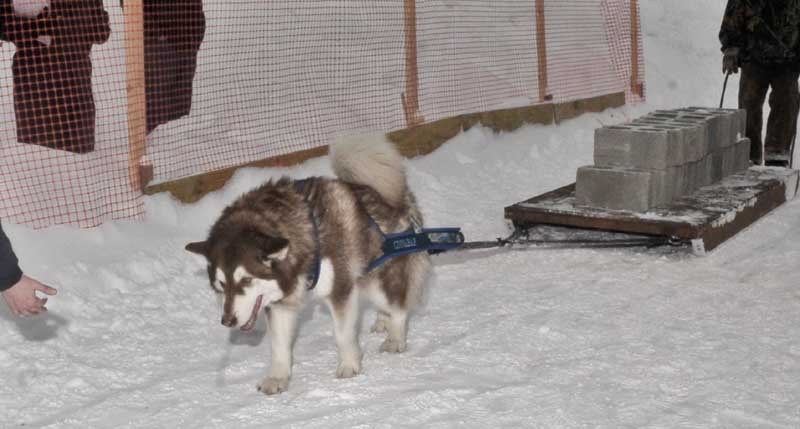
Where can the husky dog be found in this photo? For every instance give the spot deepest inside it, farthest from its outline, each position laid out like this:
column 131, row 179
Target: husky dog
column 288, row 239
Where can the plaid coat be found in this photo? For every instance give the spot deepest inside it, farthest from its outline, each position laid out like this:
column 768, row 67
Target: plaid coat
column 767, row 32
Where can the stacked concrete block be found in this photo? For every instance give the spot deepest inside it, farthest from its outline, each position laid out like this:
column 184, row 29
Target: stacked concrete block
column 620, row 188
column 661, row 156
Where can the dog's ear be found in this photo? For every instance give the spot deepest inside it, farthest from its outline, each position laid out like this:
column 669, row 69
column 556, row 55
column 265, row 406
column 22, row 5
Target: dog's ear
column 199, row 247
column 273, row 248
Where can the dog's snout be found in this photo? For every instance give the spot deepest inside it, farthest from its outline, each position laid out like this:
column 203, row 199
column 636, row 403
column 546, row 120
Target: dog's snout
column 228, row 320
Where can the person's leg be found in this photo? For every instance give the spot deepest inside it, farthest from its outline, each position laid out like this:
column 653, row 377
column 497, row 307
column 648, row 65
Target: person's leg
column 784, row 103
column 753, row 87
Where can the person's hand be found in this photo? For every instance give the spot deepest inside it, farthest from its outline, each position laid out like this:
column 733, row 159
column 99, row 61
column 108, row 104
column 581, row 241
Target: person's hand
column 22, row 300
column 730, row 61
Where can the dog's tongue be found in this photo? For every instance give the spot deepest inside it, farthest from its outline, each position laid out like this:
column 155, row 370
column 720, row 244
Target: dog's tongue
column 253, row 316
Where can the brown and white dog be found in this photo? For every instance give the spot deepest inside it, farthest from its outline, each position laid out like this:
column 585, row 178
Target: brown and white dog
column 286, row 240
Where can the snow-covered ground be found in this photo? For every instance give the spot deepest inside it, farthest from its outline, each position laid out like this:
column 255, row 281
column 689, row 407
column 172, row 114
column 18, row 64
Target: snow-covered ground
column 539, row 338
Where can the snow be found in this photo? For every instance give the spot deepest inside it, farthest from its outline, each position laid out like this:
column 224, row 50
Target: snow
column 535, row 338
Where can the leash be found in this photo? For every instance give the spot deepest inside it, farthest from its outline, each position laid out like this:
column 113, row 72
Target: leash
column 520, row 238
column 724, row 86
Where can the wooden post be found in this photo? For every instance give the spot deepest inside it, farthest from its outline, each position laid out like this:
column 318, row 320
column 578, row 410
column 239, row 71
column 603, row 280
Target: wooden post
column 137, row 115
column 541, row 50
column 410, row 98
column 636, row 87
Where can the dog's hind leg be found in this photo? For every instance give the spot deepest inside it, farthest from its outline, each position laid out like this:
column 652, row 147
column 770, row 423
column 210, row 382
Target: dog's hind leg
column 282, row 321
column 345, row 319
column 396, row 327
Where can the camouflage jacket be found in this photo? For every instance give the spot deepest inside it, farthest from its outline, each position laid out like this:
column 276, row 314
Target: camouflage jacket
column 766, row 32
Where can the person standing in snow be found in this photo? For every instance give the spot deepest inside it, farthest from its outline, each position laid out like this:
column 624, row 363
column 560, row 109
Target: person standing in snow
column 19, row 290
column 763, row 38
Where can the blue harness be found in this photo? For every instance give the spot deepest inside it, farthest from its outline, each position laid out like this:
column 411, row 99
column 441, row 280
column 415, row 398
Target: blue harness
column 413, row 240
column 313, row 273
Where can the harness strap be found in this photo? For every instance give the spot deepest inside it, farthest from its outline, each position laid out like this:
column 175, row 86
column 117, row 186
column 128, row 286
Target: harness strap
column 313, row 273
column 413, row 240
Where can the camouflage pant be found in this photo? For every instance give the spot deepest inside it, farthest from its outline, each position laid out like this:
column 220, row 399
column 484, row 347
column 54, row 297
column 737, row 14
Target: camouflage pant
column 784, row 102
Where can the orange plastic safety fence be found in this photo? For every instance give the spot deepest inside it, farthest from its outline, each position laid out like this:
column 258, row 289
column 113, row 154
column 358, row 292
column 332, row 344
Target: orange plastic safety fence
column 228, row 82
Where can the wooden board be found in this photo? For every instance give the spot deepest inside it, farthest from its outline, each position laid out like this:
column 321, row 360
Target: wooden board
column 706, row 218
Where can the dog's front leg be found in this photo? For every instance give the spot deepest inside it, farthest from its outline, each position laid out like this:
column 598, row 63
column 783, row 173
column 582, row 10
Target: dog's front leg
column 282, row 321
column 345, row 318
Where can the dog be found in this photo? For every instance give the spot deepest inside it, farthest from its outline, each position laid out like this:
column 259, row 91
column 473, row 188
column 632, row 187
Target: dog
column 287, row 240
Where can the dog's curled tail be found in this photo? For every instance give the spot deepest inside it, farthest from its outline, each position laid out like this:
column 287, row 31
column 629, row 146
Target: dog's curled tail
column 370, row 159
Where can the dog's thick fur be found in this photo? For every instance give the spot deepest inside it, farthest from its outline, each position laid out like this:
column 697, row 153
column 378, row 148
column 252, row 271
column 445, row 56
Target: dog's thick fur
column 261, row 250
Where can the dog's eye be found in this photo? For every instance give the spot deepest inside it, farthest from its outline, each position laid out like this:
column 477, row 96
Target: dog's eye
column 219, row 286
column 246, row 281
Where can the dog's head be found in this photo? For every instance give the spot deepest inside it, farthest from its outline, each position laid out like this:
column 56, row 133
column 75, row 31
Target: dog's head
column 246, row 267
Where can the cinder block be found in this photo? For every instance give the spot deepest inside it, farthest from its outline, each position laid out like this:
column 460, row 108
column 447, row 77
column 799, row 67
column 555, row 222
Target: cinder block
column 727, row 130
column 728, row 160
column 694, row 143
column 741, row 114
column 694, row 176
column 716, row 166
column 742, row 155
column 699, row 147
column 679, row 181
column 661, row 156
column 734, row 120
column 642, row 146
column 666, row 113
column 737, row 116
column 704, row 169
column 620, row 188
column 719, row 128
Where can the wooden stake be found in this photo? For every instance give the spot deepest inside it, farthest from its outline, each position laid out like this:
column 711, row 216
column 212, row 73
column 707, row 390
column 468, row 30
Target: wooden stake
column 541, row 50
column 410, row 98
column 636, row 87
column 137, row 115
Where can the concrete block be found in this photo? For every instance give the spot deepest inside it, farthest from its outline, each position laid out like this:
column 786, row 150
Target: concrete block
column 698, row 148
column 703, row 173
column 694, row 142
column 643, row 146
column 727, row 130
column 620, row 188
column 737, row 116
column 719, row 128
column 687, row 146
column 666, row 113
column 742, row 155
column 741, row 114
column 716, row 166
column 679, row 181
column 693, row 179
column 735, row 123
column 728, row 160
column 709, row 170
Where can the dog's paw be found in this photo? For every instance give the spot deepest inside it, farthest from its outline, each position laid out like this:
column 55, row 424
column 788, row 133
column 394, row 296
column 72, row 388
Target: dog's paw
column 272, row 386
column 348, row 370
column 379, row 326
column 393, row 346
